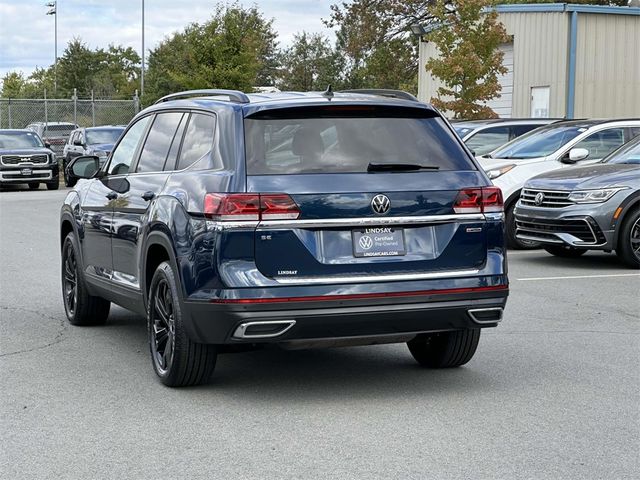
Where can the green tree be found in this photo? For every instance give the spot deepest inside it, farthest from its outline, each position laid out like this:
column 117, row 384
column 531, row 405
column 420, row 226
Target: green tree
column 467, row 39
column 310, row 63
column 235, row 49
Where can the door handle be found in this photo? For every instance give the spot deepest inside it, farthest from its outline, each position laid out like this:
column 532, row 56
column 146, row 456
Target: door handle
column 147, row 196
column 111, row 195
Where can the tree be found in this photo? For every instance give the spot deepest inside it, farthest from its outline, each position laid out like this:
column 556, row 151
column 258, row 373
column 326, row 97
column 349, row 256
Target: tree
column 235, row 49
column 310, row 63
column 373, row 36
column 467, row 39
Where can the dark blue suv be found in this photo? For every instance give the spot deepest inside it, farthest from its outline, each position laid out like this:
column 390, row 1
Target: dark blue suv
column 304, row 219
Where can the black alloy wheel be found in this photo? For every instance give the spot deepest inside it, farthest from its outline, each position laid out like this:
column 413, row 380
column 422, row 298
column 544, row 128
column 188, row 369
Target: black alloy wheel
column 163, row 327
column 70, row 279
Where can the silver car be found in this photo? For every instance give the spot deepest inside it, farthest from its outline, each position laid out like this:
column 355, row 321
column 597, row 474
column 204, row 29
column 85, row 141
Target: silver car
column 595, row 207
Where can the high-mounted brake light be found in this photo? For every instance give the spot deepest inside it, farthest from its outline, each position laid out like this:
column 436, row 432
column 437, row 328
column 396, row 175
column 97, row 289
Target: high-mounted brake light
column 479, row 200
column 250, row 206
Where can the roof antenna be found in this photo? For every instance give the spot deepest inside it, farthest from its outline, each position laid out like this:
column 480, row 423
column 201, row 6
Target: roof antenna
column 328, row 93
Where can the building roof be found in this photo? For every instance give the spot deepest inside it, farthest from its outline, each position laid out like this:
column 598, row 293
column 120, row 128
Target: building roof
column 567, row 7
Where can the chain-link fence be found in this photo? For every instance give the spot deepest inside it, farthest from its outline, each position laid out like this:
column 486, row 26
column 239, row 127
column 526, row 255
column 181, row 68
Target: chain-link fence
column 19, row 112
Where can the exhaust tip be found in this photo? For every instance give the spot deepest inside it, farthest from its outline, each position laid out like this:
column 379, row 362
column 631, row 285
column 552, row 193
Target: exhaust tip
column 251, row 330
column 486, row 315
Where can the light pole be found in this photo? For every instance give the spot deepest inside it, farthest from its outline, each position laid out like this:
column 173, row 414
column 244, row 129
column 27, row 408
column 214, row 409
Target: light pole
column 142, row 70
column 53, row 10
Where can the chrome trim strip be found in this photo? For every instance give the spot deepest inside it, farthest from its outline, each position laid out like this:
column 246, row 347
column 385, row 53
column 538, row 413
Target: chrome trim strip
column 397, row 277
column 241, row 331
column 365, row 221
column 26, row 179
column 473, row 311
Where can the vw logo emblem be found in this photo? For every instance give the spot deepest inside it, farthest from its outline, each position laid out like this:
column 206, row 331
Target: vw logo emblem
column 365, row 242
column 539, row 198
column 380, row 204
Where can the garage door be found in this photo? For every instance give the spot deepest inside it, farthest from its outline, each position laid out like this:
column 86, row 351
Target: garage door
column 502, row 104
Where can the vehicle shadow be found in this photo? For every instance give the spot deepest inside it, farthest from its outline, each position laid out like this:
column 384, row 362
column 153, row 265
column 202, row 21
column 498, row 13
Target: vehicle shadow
column 272, row 374
column 588, row 261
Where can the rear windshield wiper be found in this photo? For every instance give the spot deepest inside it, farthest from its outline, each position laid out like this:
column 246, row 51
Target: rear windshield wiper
column 399, row 167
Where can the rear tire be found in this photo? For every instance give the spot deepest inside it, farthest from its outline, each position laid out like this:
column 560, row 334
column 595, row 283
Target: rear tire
column 176, row 359
column 629, row 240
column 510, row 226
column 565, row 251
column 81, row 308
column 445, row 349
column 33, row 185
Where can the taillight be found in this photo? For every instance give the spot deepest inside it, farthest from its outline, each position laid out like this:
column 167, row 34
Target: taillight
column 250, row 206
column 478, row 200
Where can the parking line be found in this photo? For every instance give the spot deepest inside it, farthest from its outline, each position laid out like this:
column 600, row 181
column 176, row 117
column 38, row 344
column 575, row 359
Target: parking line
column 580, row 276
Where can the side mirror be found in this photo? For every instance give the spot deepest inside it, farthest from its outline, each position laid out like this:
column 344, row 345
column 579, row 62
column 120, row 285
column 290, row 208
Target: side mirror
column 47, row 145
column 577, row 154
column 85, row 166
column 77, row 143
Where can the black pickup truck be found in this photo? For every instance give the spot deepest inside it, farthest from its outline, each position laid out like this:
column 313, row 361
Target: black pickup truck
column 25, row 158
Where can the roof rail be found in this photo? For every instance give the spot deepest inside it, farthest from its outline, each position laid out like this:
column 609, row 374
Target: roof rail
column 235, row 96
column 383, row 92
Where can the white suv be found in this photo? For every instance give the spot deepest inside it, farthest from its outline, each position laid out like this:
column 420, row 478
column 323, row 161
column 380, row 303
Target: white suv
column 547, row 148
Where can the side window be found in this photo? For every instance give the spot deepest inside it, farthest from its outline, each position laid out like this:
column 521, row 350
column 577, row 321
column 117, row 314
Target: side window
column 172, row 158
column 80, row 137
column 122, row 156
column 198, row 140
column 158, row 142
column 488, row 140
column 517, row 130
column 601, row 143
column 634, row 132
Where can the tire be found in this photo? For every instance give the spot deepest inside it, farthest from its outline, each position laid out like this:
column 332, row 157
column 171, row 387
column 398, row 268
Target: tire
column 175, row 358
column 565, row 251
column 81, row 308
column 445, row 349
column 33, row 185
column 53, row 185
column 629, row 239
column 510, row 226
column 66, row 161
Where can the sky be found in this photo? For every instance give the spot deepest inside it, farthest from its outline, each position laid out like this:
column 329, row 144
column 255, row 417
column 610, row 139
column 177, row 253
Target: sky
column 27, row 33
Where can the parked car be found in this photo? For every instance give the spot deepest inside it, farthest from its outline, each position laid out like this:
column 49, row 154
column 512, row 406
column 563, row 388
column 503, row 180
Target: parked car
column 96, row 141
column 555, row 146
column 25, row 158
column 303, row 219
column 484, row 136
column 55, row 134
column 595, row 207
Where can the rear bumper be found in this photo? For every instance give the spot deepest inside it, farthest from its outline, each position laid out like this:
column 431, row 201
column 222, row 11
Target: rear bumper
column 299, row 320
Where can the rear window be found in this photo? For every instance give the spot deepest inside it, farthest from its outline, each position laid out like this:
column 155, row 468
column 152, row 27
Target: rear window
column 60, row 128
column 347, row 140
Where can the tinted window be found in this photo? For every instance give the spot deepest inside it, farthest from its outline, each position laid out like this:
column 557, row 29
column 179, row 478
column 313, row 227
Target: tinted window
column 172, row 158
column 19, row 140
column 156, row 147
column 328, row 142
column 488, row 140
column 517, row 130
column 198, row 140
column 600, row 144
column 539, row 142
column 123, row 154
column 104, row 135
column 629, row 153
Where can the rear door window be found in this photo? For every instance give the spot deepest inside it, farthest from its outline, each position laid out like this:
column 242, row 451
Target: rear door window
column 198, row 140
column 158, row 142
column 348, row 139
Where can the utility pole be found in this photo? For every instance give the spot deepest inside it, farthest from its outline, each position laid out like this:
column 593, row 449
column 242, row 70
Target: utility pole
column 142, row 70
column 53, row 10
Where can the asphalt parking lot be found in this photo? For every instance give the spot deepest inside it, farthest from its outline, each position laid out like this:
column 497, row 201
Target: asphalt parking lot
column 552, row 393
